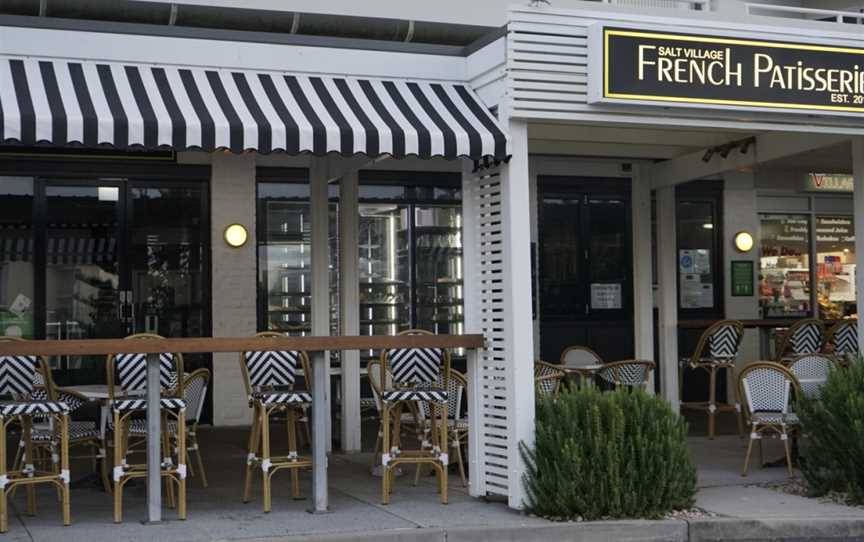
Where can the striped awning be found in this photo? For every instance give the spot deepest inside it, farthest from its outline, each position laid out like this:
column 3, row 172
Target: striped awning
column 69, row 102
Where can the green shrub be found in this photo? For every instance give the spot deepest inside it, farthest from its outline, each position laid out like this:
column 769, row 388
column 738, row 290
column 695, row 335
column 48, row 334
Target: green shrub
column 620, row 454
column 833, row 426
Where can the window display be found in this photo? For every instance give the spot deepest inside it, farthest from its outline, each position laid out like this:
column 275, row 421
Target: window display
column 835, row 266
column 16, row 257
column 784, row 266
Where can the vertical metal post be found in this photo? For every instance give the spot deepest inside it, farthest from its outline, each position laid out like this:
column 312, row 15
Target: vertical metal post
column 320, row 415
column 154, row 461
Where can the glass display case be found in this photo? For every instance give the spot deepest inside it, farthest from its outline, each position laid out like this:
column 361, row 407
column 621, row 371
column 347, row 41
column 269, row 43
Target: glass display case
column 784, row 266
column 835, row 267
column 438, row 249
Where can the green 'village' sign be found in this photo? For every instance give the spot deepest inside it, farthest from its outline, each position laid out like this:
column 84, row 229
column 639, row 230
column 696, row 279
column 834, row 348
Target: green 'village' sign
column 697, row 70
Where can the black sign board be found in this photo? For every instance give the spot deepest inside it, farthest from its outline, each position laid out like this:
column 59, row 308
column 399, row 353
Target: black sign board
column 742, row 278
column 697, row 70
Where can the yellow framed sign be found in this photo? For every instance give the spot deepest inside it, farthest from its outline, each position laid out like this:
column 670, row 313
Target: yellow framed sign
column 661, row 68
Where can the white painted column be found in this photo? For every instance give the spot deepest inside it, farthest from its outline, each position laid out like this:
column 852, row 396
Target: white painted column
column 858, row 172
column 667, row 296
column 518, row 326
column 643, row 294
column 234, row 280
column 349, row 311
column 321, row 432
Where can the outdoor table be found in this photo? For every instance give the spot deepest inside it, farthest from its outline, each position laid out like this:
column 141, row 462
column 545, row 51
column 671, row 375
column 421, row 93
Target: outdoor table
column 313, row 345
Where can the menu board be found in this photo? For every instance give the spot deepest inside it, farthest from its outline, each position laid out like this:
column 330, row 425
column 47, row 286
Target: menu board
column 742, row 278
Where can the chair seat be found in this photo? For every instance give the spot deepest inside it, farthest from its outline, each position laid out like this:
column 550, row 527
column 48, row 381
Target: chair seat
column 29, row 408
column 436, row 395
column 138, row 427
column 776, row 418
column 281, row 397
column 78, row 430
column 169, row 403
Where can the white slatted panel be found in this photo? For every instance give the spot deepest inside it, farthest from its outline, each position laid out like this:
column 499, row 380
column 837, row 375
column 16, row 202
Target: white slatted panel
column 485, row 284
column 548, row 63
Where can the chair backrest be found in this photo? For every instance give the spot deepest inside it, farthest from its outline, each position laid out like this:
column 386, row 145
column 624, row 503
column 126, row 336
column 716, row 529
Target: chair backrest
column 631, row 372
column 195, row 391
column 25, row 377
column 843, row 339
column 128, row 372
column 812, row 371
column 410, row 367
column 802, row 337
column 373, row 373
column 271, row 369
column 547, row 378
column 456, row 389
column 719, row 343
column 574, row 357
column 766, row 387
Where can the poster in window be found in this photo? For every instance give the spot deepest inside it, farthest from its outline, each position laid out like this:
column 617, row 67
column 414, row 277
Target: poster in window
column 696, row 294
column 605, row 296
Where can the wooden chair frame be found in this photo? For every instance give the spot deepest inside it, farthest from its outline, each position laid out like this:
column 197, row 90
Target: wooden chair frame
column 844, row 359
column 615, row 368
column 29, row 475
column 757, row 429
column 699, row 361
column 785, row 342
column 173, row 471
column 435, row 455
column 458, row 434
column 556, row 376
column 410, row 423
column 259, row 435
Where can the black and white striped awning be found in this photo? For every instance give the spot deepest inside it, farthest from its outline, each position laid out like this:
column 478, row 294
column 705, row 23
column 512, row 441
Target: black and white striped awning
column 70, row 102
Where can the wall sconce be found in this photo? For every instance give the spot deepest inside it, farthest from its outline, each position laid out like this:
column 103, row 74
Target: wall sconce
column 744, row 241
column 235, row 235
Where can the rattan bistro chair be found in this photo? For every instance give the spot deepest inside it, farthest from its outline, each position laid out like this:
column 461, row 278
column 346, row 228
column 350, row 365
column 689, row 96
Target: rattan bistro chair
column 457, row 424
column 23, row 399
column 547, row 378
column 767, row 388
column 812, row 371
column 409, row 422
column 717, row 349
column 633, row 373
column 841, row 341
column 416, row 374
column 580, row 362
column 803, row 337
column 127, row 374
column 270, row 377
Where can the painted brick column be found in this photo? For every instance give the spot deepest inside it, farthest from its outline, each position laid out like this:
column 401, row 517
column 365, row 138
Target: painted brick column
column 232, row 200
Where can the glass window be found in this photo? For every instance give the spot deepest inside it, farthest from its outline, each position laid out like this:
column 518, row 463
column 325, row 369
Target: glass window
column 835, row 266
column 438, row 249
column 784, row 266
column 562, row 290
column 696, row 258
column 16, row 256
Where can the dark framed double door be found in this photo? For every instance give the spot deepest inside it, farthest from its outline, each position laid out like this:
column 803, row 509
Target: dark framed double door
column 585, row 266
column 120, row 256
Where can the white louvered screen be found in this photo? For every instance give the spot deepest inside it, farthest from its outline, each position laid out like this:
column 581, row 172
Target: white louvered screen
column 484, row 287
column 547, row 58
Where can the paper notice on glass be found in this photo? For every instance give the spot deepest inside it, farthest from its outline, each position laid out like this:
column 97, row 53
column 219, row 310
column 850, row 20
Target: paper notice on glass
column 20, row 305
column 606, row 296
column 685, row 261
column 701, row 261
column 696, row 294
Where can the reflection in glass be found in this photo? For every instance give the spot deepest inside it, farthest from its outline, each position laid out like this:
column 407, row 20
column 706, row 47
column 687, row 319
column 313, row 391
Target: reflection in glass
column 562, row 293
column 784, row 265
column 835, row 266
column 16, row 257
column 438, row 248
column 696, row 282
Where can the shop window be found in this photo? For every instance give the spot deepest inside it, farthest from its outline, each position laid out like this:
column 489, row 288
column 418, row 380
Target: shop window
column 698, row 258
column 16, row 257
column 784, row 266
column 835, row 266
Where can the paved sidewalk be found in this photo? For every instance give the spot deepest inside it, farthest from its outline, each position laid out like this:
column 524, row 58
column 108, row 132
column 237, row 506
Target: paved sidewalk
column 744, row 512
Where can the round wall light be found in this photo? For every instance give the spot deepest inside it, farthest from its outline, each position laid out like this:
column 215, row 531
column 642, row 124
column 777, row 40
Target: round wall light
column 235, row 235
column 744, row 241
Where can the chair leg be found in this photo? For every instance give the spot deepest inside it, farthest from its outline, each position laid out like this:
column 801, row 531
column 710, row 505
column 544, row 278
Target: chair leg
column 712, row 401
column 445, row 471
column 4, row 510
column 265, row 456
column 747, row 457
column 64, row 467
column 375, row 451
column 785, row 439
column 761, row 455
column 385, row 454
column 457, row 444
column 201, row 473
column 253, row 452
column 181, row 456
column 29, row 462
column 291, row 416
column 118, row 464
column 167, row 458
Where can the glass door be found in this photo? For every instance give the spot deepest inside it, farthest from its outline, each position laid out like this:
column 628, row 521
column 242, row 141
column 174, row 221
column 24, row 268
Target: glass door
column 84, row 287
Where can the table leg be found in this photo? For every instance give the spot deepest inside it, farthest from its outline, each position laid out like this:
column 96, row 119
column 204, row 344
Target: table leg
column 154, row 461
column 320, row 415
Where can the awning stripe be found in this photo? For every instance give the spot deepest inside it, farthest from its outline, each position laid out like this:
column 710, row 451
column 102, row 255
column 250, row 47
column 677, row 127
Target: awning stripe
column 68, row 102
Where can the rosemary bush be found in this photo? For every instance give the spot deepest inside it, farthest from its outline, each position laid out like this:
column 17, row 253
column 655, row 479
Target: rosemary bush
column 618, row 454
column 833, row 426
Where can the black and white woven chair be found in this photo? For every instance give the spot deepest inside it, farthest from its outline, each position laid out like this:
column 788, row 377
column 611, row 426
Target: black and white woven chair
column 717, row 349
column 812, row 371
column 416, row 376
column 803, row 337
column 22, row 401
column 631, row 373
column 841, row 341
column 580, row 362
column 547, row 378
column 270, row 377
column 767, row 388
column 127, row 385
column 409, row 424
column 457, row 424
